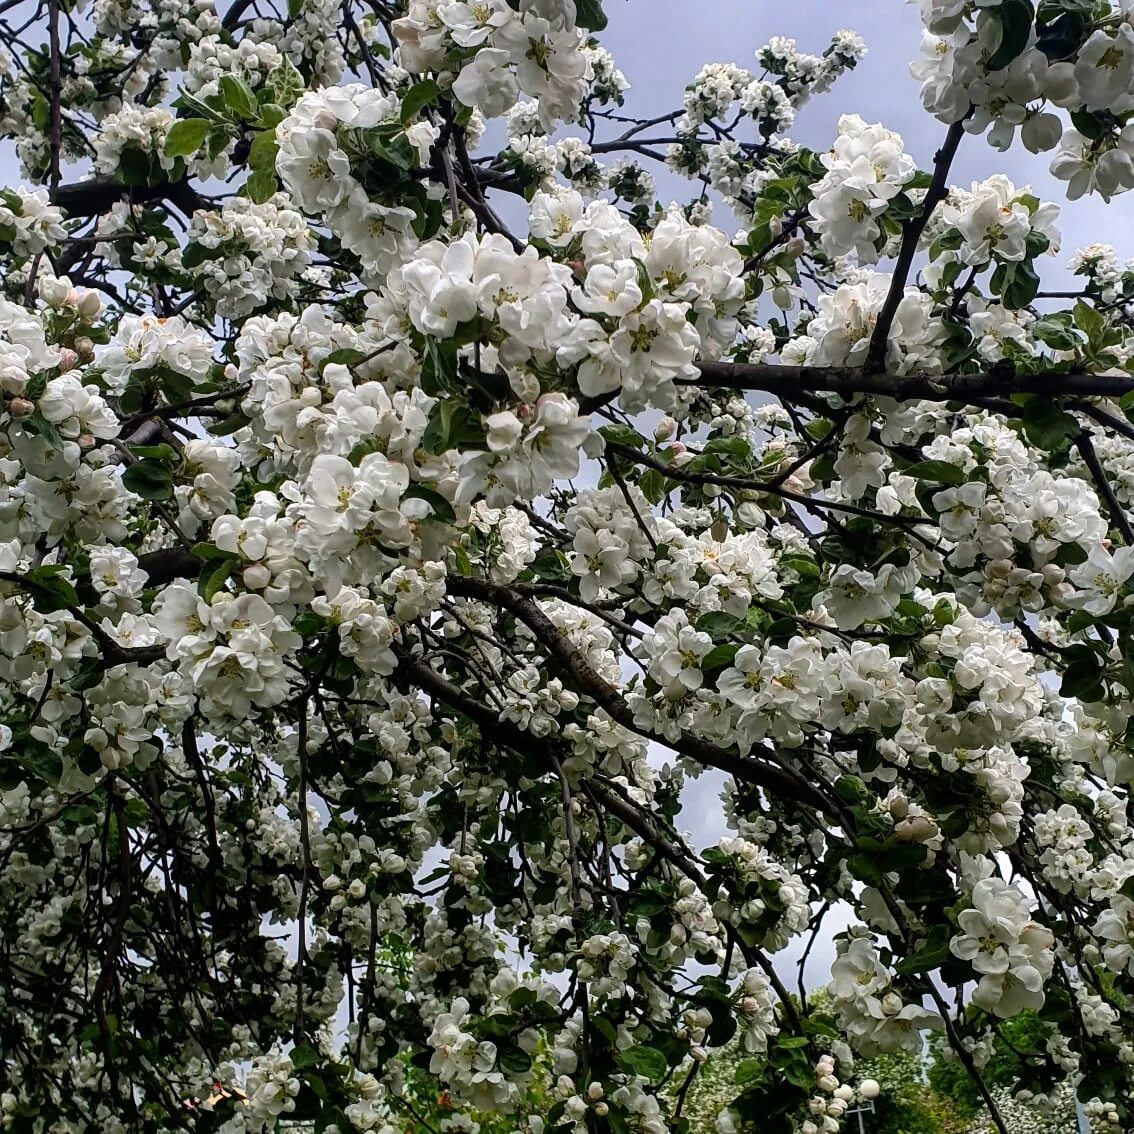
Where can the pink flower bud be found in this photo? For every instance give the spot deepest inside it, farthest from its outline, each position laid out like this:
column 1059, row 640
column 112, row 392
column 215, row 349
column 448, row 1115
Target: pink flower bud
column 20, row 407
column 256, row 576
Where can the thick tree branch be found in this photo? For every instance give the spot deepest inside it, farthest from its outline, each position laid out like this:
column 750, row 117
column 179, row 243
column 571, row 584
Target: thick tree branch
column 849, row 381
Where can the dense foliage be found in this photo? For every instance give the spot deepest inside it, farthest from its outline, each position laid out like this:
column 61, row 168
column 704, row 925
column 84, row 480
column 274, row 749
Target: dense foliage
column 379, row 575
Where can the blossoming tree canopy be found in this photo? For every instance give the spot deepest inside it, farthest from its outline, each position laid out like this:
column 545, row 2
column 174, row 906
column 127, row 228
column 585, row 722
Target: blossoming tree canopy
column 382, row 572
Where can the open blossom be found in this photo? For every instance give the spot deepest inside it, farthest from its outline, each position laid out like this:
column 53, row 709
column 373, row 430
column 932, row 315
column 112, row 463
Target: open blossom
column 462, row 610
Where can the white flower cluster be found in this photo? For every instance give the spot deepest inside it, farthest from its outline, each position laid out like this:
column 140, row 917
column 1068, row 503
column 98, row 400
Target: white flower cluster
column 866, row 169
column 136, row 130
column 534, row 47
column 251, row 254
column 1012, row 953
column 868, row 1006
column 840, row 334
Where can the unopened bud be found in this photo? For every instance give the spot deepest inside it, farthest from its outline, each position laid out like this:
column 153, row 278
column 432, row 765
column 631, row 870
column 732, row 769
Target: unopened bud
column 665, row 429
column 68, row 359
column 20, row 407
column 795, row 247
column 89, row 304
column 256, row 576
column 899, row 808
column 85, row 348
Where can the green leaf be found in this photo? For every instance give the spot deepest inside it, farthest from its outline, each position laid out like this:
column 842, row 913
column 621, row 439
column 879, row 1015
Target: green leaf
column 238, row 97
column 49, row 590
column 1092, row 125
column 1016, row 283
column 931, row 954
column 284, row 84
column 939, row 472
column 164, row 453
column 442, row 509
column 645, row 1061
column 1088, row 320
column 515, row 1061
column 1046, row 425
column 303, row 1056
column 213, row 580
column 210, row 551
column 186, row 136
column 718, row 625
column 261, row 186
column 417, row 98
column 344, row 356
column 150, row 480
column 1055, row 334
column 452, row 426
column 719, row 656
column 229, row 425
column 1083, row 679
column 749, row 1069
column 589, row 15
column 1016, row 18
column 262, row 152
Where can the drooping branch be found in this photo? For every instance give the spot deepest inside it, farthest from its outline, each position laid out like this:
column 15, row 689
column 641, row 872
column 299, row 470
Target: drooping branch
column 775, row 779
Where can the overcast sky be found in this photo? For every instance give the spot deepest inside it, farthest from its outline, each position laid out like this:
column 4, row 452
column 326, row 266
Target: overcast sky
column 661, row 44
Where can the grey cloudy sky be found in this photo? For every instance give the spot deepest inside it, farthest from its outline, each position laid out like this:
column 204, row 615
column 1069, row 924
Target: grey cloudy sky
column 661, row 44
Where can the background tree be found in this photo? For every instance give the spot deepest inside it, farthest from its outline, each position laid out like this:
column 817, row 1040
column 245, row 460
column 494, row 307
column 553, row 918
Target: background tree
column 404, row 517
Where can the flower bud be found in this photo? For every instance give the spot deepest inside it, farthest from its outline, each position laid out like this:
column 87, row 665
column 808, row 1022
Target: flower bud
column 1041, row 132
column 1053, row 574
column 85, row 348
column 795, row 247
column 68, row 360
column 869, row 1089
column 89, row 304
column 665, row 429
column 20, row 407
column 899, row 808
column 325, row 120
